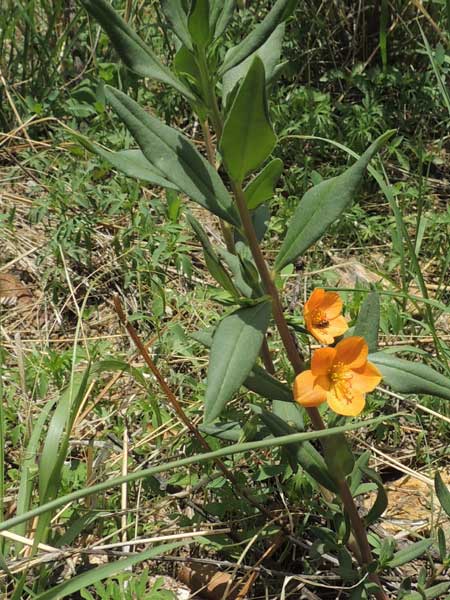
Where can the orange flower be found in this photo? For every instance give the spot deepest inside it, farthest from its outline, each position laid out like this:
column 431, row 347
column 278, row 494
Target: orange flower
column 341, row 376
column 323, row 317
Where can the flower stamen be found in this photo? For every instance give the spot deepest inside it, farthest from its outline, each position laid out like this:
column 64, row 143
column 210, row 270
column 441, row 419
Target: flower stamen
column 319, row 319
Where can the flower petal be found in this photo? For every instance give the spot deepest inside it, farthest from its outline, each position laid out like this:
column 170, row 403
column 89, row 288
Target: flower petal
column 337, row 326
column 321, row 361
column 321, row 334
column 366, row 378
column 314, row 300
column 331, row 305
column 324, row 382
column 352, row 351
column 343, row 406
column 305, row 392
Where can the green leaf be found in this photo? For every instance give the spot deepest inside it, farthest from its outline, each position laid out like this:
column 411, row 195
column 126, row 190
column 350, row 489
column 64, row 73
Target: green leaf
column 130, row 162
column 136, row 55
column 269, row 53
column 198, row 23
column 116, row 365
column 258, row 380
column 303, row 454
column 28, row 465
column 230, row 431
column 442, row 493
column 178, row 20
column 221, row 12
column 92, row 576
column 368, row 321
column 174, row 157
column 409, row 377
column 261, row 188
column 266, row 386
column 56, row 446
column 322, row 205
column 409, row 553
column 290, row 413
column 280, row 11
column 381, row 501
column 186, row 66
column 53, row 455
column 235, row 348
column 238, row 270
column 436, row 591
column 248, row 137
column 442, row 544
column 260, row 220
column 338, row 456
column 213, row 263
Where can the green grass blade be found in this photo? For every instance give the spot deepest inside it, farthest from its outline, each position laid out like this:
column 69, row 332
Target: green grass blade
column 99, row 573
column 199, row 458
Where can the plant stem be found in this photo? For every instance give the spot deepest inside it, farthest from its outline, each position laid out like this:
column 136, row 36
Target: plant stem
column 227, row 233
column 268, row 282
column 173, row 401
column 298, row 365
column 293, row 353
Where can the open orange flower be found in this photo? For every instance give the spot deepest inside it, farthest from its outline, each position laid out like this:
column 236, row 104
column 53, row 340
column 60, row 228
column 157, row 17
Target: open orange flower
column 341, row 376
column 323, row 316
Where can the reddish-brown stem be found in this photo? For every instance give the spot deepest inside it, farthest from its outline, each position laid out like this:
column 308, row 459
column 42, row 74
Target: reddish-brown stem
column 228, row 235
column 180, row 412
column 298, row 365
column 292, row 351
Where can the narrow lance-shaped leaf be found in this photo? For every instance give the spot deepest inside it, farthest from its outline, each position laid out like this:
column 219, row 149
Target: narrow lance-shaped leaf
column 178, row 20
column 322, row 205
column 213, row 262
column 381, row 501
column 338, row 456
column 261, row 188
column 230, row 431
column 248, row 137
column 258, row 380
column 235, row 348
column 198, row 23
column 280, row 11
column 130, row 162
column 29, row 463
column 92, row 576
column 442, row 493
column 220, row 15
column 130, row 47
column 269, row 53
column 409, row 377
column 303, row 454
column 260, row 220
column 186, row 66
column 368, row 321
column 174, row 157
column 409, row 553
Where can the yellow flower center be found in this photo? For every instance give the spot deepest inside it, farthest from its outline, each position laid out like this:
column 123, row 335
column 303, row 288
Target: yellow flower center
column 340, row 377
column 319, row 319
